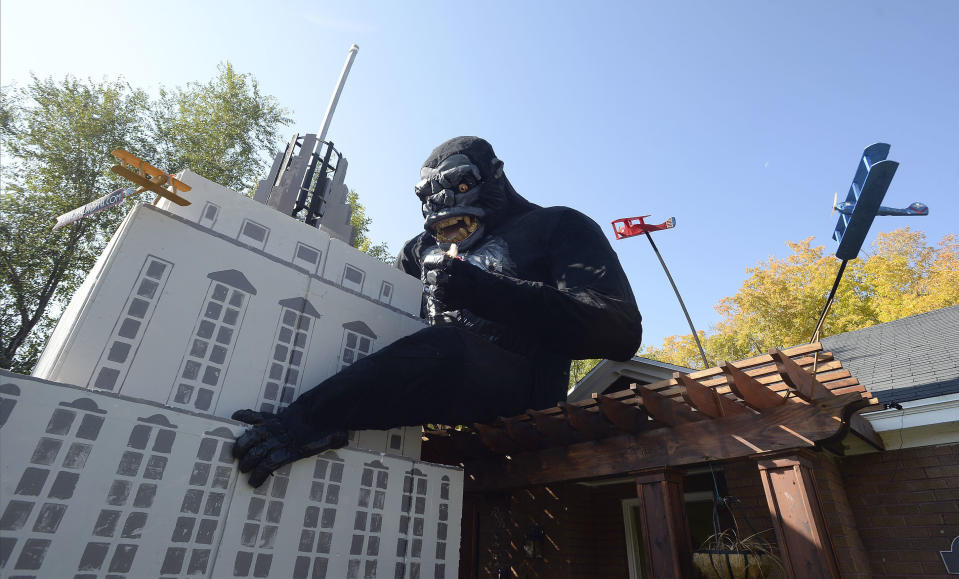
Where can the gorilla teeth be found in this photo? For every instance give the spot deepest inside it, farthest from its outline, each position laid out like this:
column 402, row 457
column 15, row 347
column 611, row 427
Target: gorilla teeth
column 455, row 229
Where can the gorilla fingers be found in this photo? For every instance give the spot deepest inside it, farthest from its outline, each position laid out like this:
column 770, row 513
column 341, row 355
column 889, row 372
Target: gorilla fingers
column 268, row 445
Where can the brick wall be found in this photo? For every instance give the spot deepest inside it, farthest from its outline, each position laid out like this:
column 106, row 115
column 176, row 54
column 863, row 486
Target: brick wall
column 906, row 506
column 607, row 534
column 843, row 531
column 744, row 483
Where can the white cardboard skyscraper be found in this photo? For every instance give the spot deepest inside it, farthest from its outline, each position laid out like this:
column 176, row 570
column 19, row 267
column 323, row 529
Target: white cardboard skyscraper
column 115, row 455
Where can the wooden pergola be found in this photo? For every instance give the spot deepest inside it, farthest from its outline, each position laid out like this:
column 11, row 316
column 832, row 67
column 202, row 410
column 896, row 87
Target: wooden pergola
column 768, row 408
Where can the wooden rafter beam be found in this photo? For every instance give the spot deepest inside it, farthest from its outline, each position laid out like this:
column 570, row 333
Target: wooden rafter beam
column 789, row 426
column 589, row 424
column 665, row 410
column 752, row 391
column 805, row 384
column 554, row 427
column 809, row 388
column 861, row 427
column 496, row 439
column 707, row 400
column 762, row 368
column 624, row 416
column 523, row 433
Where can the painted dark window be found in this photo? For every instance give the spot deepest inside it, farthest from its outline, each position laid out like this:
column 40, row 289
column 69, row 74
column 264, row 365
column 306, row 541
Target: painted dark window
column 353, row 277
column 386, row 292
column 124, row 514
column 32, row 513
column 208, row 351
column 409, row 544
column 253, row 233
column 307, row 257
column 316, row 534
column 210, row 212
column 117, row 356
column 442, row 525
column 368, row 521
column 8, row 401
column 291, row 344
column 263, row 515
column 203, row 507
column 358, row 341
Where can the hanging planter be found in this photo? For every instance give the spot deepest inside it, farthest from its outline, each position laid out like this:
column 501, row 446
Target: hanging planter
column 717, row 564
column 727, row 556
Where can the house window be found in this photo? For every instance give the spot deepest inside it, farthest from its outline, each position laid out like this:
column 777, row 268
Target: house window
column 632, row 517
column 288, row 355
column 117, row 356
column 253, row 234
column 307, row 257
column 357, row 342
column 210, row 212
column 353, row 278
column 208, row 352
column 386, row 292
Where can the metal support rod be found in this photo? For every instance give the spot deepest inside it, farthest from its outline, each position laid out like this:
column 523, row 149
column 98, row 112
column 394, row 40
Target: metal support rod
column 680, row 298
column 321, row 135
column 832, row 295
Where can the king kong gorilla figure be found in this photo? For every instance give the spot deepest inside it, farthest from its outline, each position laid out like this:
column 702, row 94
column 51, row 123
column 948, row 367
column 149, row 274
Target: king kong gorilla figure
column 532, row 288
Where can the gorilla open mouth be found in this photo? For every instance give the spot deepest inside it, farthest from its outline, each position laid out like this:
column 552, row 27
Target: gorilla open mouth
column 455, row 229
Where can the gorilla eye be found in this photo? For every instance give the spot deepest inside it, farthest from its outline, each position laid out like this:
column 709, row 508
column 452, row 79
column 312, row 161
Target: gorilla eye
column 463, row 187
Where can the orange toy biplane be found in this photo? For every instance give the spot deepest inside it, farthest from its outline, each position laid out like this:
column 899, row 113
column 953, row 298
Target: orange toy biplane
column 148, row 177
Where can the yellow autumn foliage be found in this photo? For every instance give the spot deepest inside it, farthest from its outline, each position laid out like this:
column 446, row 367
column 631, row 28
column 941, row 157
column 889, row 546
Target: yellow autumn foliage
column 780, row 301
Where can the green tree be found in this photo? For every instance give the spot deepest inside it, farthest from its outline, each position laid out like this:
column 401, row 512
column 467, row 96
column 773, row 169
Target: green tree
column 780, row 301
column 578, row 369
column 361, row 226
column 218, row 129
column 56, row 142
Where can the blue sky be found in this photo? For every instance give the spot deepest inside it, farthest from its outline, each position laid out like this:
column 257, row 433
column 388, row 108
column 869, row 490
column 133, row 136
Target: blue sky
column 741, row 119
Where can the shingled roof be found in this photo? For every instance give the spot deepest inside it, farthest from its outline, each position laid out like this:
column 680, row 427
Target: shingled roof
column 908, row 359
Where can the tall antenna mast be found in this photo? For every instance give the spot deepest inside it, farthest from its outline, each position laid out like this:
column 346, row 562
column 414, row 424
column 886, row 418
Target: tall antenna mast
column 321, row 135
column 308, row 175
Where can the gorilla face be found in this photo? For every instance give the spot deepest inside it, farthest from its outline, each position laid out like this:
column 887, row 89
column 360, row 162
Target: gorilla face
column 451, row 194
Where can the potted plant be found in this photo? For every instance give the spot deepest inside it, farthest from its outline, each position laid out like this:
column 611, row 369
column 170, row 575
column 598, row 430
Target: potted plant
column 729, row 555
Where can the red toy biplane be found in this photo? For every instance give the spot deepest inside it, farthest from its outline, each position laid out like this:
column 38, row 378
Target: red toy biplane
column 631, row 226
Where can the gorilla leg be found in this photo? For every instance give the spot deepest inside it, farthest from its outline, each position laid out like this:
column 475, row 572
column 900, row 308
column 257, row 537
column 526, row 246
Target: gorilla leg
column 441, row 374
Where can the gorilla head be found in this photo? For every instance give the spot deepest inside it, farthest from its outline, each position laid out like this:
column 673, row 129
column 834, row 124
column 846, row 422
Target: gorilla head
column 465, row 193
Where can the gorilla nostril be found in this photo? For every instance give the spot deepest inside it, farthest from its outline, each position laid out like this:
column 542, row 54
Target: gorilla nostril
column 441, row 199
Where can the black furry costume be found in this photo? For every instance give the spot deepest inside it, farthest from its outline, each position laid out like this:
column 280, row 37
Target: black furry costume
column 532, row 289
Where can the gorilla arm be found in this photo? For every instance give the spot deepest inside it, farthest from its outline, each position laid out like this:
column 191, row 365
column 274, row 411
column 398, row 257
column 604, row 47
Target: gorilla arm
column 585, row 309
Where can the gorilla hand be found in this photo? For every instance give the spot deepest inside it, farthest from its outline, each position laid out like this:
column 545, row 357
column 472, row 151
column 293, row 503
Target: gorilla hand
column 450, row 280
column 268, row 445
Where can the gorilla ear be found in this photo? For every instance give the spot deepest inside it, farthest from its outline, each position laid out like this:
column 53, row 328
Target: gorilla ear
column 497, row 166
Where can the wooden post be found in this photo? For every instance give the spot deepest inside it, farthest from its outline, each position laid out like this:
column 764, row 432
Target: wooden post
column 797, row 517
column 667, row 552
